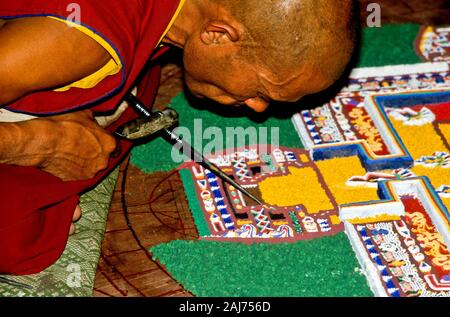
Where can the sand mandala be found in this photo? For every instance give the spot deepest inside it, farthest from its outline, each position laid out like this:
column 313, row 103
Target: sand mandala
column 376, row 165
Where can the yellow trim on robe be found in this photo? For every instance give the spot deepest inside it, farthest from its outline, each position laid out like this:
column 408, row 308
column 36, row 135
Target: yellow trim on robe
column 111, row 68
column 114, row 65
column 180, row 6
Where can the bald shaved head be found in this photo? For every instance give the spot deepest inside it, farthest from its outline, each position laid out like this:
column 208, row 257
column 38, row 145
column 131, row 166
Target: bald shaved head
column 283, row 33
column 253, row 52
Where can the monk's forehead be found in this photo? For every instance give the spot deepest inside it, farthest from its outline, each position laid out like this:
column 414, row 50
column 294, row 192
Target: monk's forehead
column 299, row 81
column 289, row 77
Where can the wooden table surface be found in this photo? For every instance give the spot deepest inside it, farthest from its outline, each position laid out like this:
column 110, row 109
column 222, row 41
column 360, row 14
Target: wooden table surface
column 151, row 209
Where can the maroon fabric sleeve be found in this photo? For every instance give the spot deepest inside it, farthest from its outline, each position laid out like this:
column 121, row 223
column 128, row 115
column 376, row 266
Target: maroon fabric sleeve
column 36, row 208
column 36, row 212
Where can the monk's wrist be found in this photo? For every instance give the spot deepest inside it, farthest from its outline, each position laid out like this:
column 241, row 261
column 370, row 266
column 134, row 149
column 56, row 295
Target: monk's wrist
column 27, row 143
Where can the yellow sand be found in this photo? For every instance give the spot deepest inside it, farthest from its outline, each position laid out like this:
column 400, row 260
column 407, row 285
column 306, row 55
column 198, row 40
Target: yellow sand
column 337, row 172
column 445, row 129
column 419, row 140
column 380, row 218
column 438, row 176
column 424, row 141
column 300, row 187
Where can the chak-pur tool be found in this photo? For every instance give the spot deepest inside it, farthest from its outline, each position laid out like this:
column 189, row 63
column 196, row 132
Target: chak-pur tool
column 152, row 122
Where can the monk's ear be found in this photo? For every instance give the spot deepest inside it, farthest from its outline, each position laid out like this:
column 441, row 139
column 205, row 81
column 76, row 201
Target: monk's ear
column 218, row 32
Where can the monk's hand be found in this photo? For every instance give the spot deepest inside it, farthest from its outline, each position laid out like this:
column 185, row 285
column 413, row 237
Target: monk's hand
column 71, row 146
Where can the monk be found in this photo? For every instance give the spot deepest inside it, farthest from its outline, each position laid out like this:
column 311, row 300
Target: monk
column 62, row 83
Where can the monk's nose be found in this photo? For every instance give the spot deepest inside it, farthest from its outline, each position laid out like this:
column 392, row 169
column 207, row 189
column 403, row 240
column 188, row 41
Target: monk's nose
column 257, row 104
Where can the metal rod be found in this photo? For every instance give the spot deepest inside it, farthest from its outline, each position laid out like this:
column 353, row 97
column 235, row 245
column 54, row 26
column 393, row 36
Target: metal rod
column 198, row 157
column 138, row 105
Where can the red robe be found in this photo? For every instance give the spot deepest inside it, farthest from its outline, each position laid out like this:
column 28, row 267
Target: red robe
column 36, row 208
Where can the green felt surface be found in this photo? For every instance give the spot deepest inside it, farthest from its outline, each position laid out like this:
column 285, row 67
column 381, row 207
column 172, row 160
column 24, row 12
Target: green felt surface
column 323, row 267
column 391, row 44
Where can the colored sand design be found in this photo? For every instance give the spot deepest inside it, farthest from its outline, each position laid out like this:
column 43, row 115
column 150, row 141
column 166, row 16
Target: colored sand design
column 433, row 44
column 299, row 205
column 337, row 171
column 355, row 121
column 303, row 196
column 296, row 188
column 285, row 173
column 176, row 254
column 430, row 153
column 404, row 257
